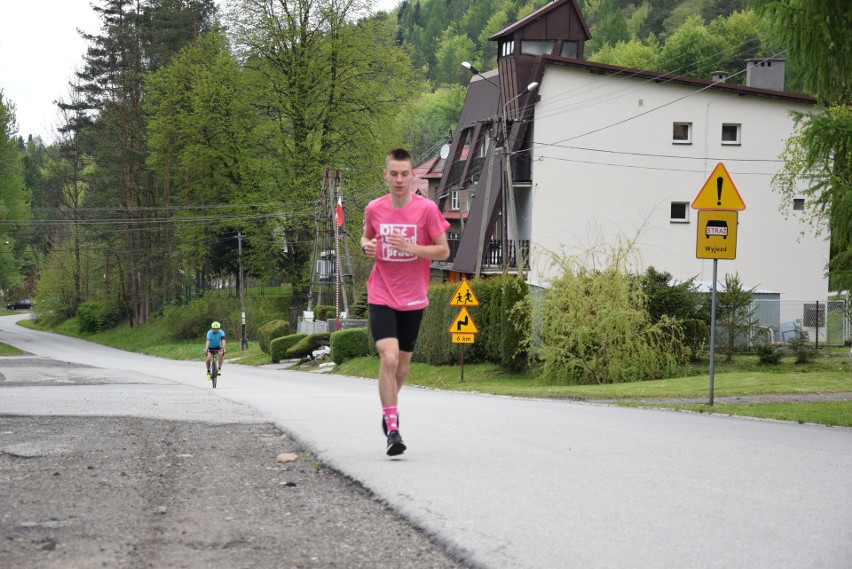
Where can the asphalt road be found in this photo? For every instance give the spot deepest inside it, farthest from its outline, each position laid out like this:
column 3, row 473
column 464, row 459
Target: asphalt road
column 523, row 483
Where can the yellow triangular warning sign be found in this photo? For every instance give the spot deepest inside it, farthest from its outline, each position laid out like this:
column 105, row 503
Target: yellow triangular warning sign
column 463, row 324
column 464, row 296
column 719, row 192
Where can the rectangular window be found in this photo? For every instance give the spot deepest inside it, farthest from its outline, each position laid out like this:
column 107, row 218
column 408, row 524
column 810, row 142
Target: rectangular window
column 454, row 200
column 680, row 212
column 798, row 204
column 682, row 133
column 537, row 47
column 569, row 49
column 814, row 315
column 731, row 134
column 506, row 48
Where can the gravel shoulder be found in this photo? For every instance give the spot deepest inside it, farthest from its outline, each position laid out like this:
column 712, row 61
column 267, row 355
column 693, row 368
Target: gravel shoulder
column 124, row 491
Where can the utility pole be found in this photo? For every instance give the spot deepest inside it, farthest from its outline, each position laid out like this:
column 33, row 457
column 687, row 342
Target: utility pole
column 243, row 338
column 337, row 223
column 486, row 201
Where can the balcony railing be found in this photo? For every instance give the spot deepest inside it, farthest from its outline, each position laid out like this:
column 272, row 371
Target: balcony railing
column 492, row 254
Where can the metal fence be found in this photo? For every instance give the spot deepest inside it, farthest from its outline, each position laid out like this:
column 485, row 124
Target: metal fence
column 824, row 323
column 320, row 326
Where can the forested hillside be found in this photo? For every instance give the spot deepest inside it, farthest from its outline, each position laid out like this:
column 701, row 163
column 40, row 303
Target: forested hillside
column 684, row 37
column 443, row 32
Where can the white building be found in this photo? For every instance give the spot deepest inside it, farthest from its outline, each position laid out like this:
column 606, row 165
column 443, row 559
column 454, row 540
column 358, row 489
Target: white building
column 601, row 153
column 625, row 155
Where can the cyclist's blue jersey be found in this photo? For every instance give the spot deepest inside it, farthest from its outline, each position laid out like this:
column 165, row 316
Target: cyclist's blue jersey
column 215, row 338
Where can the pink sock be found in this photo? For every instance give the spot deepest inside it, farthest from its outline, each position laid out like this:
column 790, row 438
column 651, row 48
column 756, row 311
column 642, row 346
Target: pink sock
column 391, row 418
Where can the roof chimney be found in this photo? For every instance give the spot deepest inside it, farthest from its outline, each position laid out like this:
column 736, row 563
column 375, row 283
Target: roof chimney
column 765, row 74
column 719, row 76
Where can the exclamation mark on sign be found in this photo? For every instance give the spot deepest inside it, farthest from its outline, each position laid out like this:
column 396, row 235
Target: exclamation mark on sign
column 719, row 181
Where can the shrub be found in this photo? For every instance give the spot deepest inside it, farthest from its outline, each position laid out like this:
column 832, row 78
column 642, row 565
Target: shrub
column 681, row 302
column 801, row 347
column 504, row 327
column 360, row 309
column 348, row 344
column 735, row 318
column 98, row 315
column 596, row 327
column 191, row 321
column 324, row 312
column 279, row 346
column 769, row 353
column 305, row 346
column 271, row 330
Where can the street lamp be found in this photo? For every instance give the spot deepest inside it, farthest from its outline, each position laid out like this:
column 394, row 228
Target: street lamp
column 475, row 71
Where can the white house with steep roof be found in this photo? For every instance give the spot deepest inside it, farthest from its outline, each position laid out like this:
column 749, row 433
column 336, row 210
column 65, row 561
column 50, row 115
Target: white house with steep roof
column 600, row 153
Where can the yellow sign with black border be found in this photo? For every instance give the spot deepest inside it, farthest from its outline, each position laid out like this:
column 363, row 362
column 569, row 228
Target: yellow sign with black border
column 463, row 324
column 719, row 192
column 717, row 234
column 463, row 338
column 464, row 296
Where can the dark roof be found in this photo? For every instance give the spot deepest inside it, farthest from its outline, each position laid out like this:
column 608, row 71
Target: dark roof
column 602, row 68
column 483, row 98
column 538, row 14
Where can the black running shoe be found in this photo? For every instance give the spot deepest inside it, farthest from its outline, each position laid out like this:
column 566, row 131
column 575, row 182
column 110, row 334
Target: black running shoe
column 395, row 444
column 385, row 424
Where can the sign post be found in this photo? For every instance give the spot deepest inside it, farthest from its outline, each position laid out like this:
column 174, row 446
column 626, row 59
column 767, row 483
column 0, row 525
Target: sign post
column 463, row 329
column 717, row 203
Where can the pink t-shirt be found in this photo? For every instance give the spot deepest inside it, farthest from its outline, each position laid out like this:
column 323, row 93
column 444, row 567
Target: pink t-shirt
column 401, row 280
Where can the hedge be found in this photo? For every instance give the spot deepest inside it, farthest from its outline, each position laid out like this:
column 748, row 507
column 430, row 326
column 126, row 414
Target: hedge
column 305, row 346
column 279, row 346
column 271, row 330
column 350, row 343
column 502, row 322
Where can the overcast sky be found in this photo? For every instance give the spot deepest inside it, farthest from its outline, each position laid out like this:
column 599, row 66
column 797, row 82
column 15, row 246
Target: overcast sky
column 39, row 51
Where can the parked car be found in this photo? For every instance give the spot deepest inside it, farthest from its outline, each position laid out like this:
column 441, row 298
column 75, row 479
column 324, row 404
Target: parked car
column 22, row 304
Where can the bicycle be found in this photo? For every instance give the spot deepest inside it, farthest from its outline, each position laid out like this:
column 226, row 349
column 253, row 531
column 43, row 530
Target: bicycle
column 214, row 365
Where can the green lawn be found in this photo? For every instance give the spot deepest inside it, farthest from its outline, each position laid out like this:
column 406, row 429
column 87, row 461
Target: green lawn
column 7, row 350
column 830, row 413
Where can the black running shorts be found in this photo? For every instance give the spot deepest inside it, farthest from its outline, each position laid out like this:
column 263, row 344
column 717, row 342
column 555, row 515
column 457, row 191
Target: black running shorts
column 404, row 325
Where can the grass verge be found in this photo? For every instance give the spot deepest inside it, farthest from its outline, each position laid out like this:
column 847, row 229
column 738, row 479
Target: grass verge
column 829, row 413
column 7, row 350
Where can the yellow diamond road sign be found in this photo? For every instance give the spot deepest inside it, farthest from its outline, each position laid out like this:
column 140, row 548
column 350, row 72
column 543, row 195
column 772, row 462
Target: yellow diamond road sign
column 719, row 192
column 464, row 296
column 463, row 324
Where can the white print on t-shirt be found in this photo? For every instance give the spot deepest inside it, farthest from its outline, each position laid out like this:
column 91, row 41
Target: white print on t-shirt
column 389, row 253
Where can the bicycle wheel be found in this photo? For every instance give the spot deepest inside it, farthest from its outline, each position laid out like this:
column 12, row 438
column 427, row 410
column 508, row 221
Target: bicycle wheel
column 214, row 371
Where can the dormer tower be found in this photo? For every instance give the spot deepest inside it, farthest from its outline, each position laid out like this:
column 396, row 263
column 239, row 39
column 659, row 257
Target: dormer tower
column 555, row 29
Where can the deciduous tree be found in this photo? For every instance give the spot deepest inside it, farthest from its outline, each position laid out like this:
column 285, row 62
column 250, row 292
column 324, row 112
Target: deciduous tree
column 818, row 157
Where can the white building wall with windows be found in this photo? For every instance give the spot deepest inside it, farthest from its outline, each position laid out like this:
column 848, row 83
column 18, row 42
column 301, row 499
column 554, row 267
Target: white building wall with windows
column 606, row 164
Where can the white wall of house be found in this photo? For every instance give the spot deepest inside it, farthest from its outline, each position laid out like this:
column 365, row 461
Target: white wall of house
column 605, row 166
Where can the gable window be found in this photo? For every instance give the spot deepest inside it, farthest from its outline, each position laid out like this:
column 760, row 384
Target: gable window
column 731, row 134
column 454, row 200
column 682, row 133
column 569, row 49
column 680, row 212
column 506, row 48
column 537, row 47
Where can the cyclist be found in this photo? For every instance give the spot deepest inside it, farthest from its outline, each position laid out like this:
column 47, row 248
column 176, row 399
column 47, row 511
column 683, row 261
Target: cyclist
column 215, row 343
